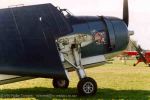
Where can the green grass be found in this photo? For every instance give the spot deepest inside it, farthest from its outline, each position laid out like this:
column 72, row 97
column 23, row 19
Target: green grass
column 115, row 81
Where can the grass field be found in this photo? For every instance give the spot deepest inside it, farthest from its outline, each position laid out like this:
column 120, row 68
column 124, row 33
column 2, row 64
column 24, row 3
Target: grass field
column 115, row 81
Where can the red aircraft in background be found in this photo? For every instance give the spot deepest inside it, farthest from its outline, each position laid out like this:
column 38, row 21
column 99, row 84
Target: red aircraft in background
column 144, row 58
column 141, row 55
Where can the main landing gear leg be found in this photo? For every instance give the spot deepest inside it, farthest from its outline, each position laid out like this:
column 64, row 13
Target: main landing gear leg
column 61, row 83
column 86, row 85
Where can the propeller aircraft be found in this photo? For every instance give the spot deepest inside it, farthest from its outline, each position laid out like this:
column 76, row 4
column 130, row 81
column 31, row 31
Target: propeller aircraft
column 41, row 41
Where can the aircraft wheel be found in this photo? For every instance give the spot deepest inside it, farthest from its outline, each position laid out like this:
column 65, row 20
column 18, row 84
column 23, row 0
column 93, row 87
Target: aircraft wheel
column 60, row 83
column 87, row 86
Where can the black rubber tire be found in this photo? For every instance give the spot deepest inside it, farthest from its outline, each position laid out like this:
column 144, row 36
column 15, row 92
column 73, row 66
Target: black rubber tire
column 84, row 84
column 60, row 83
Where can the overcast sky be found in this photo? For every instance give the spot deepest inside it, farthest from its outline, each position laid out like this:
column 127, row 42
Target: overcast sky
column 139, row 12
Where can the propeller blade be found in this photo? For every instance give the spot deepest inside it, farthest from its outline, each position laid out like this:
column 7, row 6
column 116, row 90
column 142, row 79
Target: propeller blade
column 126, row 12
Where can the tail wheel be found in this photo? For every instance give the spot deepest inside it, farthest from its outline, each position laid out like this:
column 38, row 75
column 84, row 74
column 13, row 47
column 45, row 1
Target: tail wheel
column 87, row 86
column 60, row 83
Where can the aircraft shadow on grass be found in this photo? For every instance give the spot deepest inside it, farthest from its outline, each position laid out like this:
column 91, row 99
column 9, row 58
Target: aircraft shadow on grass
column 42, row 93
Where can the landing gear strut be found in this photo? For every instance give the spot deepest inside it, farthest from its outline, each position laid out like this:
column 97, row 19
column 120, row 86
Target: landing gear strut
column 70, row 48
column 86, row 85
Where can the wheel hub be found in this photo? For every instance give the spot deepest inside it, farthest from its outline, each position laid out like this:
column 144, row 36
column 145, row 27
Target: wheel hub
column 88, row 87
column 61, row 82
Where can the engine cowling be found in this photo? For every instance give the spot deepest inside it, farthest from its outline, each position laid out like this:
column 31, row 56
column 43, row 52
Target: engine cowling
column 111, row 32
